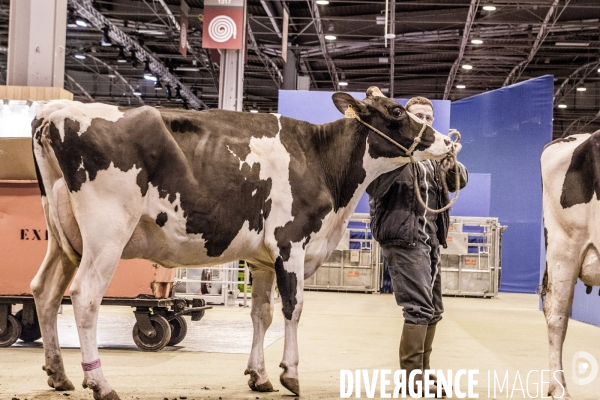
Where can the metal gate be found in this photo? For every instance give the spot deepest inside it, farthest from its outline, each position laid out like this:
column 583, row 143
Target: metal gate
column 355, row 265
column 471, row 264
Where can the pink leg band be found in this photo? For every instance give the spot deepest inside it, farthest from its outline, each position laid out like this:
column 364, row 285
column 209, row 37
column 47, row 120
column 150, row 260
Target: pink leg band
column 88, row 366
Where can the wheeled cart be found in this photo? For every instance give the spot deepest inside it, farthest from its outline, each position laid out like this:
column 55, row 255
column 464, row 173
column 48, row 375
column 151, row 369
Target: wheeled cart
column 159, row 322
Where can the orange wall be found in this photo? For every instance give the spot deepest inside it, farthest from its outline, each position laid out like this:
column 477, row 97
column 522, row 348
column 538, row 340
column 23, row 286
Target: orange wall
column 23, row 246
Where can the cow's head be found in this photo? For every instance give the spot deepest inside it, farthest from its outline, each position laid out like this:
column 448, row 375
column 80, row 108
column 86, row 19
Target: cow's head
column 391, row 118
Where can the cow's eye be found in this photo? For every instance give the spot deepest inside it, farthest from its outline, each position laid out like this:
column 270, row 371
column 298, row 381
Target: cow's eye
column 397, row 112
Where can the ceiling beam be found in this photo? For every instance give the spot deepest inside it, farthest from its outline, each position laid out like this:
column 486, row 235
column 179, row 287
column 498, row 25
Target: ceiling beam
column 587, row 70
column 463, row 44
column 74, row 82
column 87, row 10
column 266, row 60
column 316, row 16
column 545, row 28
column 205, row 61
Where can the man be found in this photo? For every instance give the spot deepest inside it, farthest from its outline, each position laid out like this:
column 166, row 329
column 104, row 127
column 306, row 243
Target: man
column 410, row 238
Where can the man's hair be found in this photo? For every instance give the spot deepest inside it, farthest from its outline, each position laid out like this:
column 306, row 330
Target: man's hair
column 419, row 100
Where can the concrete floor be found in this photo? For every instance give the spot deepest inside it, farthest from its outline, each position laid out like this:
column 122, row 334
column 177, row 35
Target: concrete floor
column 338, row 331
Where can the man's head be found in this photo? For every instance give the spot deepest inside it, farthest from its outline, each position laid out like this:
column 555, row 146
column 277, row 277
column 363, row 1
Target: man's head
column 421, row 107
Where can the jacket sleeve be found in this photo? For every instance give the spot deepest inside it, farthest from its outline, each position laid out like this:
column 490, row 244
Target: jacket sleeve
column 451, row 177
column 380, row 186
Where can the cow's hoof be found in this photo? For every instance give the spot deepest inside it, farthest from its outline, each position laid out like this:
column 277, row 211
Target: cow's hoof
column 291, row 384
column 110, row 396
column 262, row 387
column 62, row 386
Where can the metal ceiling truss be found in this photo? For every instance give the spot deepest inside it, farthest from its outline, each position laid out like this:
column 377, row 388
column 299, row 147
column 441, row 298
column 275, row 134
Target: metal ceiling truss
column 86, row 10
column 580, row 74
column 579, row 124
column 463, row 44
column 316, row 16
column 269, row 64
column 128, row 87
column 205, row 60
column 552, row 14
column 78, row 86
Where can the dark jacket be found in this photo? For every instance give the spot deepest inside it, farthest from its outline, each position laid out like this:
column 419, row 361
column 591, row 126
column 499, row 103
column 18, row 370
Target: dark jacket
column 395, row 209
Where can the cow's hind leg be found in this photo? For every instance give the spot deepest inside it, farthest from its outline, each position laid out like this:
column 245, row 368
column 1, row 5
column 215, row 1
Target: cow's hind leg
column 103, row 243
column 559, row 286
column 48, row 287
column 262, row 315
column 290, row 281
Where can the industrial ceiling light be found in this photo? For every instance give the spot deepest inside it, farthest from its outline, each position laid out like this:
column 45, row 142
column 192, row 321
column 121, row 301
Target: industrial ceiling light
column 599, row 70
column 137, row 92
column 322, row 2
column 476, row 41
column 105, row 38
column 111, row 75
column 562, row 105
column 343, row 83
column 158, row 85
column 572, row 44
column 467, row 66
column 460, row 86
column 71, row 20
column 581, row 88
column 121, row 57
column 188, row 69
column 330, row 37
column 254, row 111
column 81, row 22
column 80, row 56
column 489, row 7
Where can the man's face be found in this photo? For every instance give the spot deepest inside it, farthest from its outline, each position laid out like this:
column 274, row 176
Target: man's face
column 422, row 111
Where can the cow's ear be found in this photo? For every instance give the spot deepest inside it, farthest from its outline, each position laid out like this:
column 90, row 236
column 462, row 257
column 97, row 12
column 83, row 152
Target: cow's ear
column 343, row 100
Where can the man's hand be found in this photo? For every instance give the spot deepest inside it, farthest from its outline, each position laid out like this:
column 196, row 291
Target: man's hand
column 447, row 163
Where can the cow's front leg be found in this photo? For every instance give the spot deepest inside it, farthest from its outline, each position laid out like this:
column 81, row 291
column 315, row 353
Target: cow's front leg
column 290, row 281
column 48, row 288
column 559, row 285
column 262, row 315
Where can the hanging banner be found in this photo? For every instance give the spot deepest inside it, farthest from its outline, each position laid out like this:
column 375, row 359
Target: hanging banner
column 223, row 26
column 183, row 24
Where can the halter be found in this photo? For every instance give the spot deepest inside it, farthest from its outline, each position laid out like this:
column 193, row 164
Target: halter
column 351, row 114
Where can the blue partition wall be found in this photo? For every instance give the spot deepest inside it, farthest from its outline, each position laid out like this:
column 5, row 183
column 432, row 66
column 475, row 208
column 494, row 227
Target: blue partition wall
column 503, row 134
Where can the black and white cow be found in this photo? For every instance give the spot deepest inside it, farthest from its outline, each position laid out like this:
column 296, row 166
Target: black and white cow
column 191, row 189
column 571, row 194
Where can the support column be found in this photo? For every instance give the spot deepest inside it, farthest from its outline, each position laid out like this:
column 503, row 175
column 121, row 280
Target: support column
column 290, row 72
column 231, row 80
column 36, row 43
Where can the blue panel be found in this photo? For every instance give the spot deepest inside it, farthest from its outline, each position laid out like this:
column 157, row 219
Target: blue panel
column 503, row 134
column 318, row 108
column 474, row 199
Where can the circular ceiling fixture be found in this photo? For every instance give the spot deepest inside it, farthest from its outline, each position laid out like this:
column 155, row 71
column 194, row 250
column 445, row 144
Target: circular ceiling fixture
column 330, row 37
column 489, row 7
column 476, row 41
column 467, row 66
